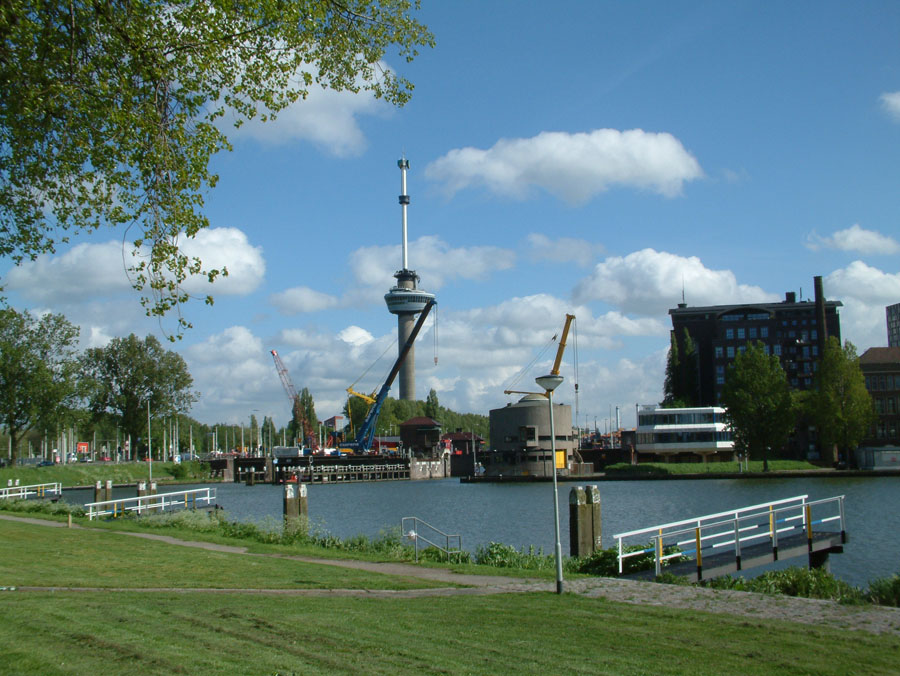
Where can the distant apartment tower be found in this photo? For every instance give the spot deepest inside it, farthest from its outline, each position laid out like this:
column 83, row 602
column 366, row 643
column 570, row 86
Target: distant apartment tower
column 893, row 324
column 792, row 330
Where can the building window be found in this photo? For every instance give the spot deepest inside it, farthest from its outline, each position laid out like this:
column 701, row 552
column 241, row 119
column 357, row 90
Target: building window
column 730, row 352
column 751, row 332
column 719, row 351
column 740, row 334
column 729, row 334
column 763, row 331
column 776, row 349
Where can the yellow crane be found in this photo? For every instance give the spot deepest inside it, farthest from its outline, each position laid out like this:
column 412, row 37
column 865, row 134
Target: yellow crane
column 559, row 355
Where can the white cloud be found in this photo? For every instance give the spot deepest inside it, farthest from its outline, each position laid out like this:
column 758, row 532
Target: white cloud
column 573, row 167
column 302, row 299
column 864, row 291
column 856, row 239
column 87, row 272
column 225, row 248
column 649, row 282
column 434, row 259
column 562, row 250
column 355, row 336
column 325, row 118
column 890, row 101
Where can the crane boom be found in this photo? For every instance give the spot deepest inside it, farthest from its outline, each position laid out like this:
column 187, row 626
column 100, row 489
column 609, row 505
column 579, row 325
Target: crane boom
column 296, row 408
column 366, row 434
column 559, row 355
column 285, row 377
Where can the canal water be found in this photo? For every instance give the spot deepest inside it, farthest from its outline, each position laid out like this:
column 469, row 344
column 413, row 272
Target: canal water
column 522, row 514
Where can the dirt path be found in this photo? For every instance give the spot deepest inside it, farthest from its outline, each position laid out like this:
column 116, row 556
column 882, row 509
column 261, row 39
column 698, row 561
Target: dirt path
column 759, row 607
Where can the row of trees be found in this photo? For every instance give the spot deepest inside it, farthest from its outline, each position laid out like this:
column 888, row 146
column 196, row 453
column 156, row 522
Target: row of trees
column 764, row 410
column 45, row 382
column 396, row 411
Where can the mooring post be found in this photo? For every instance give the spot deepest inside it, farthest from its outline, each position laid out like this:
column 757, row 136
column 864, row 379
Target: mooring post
column 108, row 490
column 579, row 523
column 291, row 501
column 592, row 493
column 98, row 492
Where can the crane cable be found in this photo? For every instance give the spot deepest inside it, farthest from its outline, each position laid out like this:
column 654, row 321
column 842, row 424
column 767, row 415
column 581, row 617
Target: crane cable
column 524, row 370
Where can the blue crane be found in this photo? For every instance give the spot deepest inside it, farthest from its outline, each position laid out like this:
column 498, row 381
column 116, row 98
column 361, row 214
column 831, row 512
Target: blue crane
column 366, row 434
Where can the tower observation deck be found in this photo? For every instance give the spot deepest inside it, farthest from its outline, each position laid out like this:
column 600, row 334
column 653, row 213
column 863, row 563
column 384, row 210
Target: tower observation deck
column 406, row 300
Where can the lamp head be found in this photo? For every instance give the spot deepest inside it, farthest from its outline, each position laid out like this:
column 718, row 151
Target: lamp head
column 549, row 382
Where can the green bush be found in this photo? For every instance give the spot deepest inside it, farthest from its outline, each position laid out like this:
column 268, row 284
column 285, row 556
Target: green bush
column 500, row 555
column 605, row 562
column 811, row 583
column 885, row 591
column 40, row 507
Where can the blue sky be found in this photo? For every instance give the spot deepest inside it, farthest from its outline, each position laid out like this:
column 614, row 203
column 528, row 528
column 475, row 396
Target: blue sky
column 575, row 157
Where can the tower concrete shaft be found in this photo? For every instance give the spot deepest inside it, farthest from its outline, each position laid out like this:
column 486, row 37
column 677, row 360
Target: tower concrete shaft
column 406, row 300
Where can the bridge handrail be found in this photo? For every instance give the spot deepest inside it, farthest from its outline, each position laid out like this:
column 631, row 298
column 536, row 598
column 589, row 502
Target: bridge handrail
column 33, row 489
column 734, row 528
column 146, row 502
column 415, row 535
column 641, row 531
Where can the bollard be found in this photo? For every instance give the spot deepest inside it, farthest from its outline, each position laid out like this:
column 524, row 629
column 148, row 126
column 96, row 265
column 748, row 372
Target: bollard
column 304, row 502
column 9, row 483
column 70, row 519
column 593, row 501
column 108, row 495
column 584, row 520
column 141, row 489
column 291, row 501
column 98, row 492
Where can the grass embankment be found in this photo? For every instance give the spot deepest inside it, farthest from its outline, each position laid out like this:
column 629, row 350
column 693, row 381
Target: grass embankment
column 89, row 473
column 753, row 467
column 115, row 632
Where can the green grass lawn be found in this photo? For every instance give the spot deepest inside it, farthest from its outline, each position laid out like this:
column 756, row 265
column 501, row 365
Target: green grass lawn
column 130, row 632
column 194, row 633
column 753, row 466
column 87, row 474
column 57, row 557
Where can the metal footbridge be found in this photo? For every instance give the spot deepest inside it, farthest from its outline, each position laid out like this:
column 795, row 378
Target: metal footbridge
column 727, row 542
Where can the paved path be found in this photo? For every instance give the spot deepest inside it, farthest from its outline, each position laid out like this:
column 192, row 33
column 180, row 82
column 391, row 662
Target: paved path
column 759, row 607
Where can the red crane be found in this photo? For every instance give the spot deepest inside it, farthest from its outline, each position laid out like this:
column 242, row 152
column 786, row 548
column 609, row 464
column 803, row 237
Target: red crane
column 296, row 409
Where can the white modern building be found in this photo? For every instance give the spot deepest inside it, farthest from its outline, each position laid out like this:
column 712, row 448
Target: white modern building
column 683, row 434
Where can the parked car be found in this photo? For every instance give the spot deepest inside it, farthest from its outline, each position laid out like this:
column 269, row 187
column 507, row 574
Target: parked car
column 46, row 463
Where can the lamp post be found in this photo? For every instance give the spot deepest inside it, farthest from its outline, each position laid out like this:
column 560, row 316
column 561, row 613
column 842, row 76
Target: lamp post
column 550, row 383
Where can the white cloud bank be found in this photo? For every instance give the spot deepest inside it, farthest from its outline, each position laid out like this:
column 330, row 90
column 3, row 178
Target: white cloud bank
column 433, row 258
column 326, row 118
column 890, row 101
column 864, row 291
column 649, row 282
column 87, row 272
column 573, row 167
column 855, row 239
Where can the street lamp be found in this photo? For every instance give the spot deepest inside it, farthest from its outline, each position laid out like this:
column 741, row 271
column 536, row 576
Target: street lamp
column 550, row 383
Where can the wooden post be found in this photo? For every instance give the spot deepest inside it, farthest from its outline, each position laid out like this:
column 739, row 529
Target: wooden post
column 108, row 490
column 592, row 493
column 291, row 501
column 579, row 523
column 98, row 492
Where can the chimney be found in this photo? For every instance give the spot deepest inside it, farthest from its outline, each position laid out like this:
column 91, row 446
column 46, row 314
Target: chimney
column 790, row 297
column 822, row 330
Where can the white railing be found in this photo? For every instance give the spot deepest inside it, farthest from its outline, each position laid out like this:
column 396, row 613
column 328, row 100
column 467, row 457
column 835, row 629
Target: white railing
column 412, row 527
column 689, row 537
column 38, row 490
column 189, row 499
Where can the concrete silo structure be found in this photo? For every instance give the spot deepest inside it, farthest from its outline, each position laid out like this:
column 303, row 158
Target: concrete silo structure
column 406, row 300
